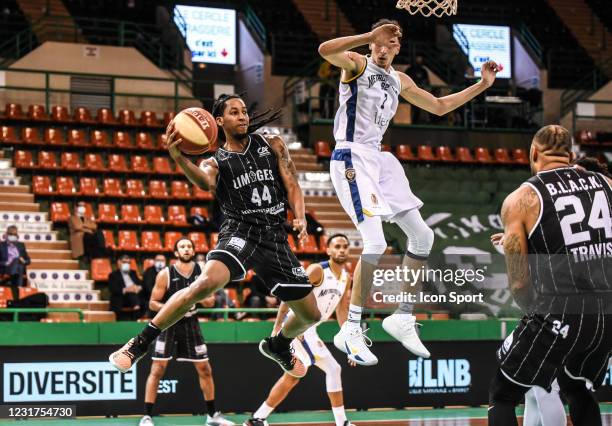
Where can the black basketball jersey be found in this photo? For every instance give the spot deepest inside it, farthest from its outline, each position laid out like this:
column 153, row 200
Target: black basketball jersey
column 570, row 248
column 250, row 189
column 177, row 281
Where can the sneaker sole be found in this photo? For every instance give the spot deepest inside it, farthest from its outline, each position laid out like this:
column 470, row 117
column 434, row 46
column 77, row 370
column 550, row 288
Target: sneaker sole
column 408, row 348
column 264, row 353
column 112, row 361
column 340, row 344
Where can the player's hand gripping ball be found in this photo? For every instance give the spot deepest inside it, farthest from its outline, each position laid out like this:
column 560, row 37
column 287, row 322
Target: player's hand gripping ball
column 196, row 128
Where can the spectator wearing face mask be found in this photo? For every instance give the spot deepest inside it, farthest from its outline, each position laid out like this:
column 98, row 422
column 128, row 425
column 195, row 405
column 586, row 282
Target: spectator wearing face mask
column 13, row 257
column 126, row 289
column 85, row 239
column 148, row 280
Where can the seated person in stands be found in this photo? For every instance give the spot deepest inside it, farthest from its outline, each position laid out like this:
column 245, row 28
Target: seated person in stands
column 13, row 257
column 126, row 290
column 148, row 280
column 257, row 296
column 85, row 239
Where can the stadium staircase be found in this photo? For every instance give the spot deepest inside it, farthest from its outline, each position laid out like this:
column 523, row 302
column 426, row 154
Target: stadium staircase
column 325, row 18
column 40, row 12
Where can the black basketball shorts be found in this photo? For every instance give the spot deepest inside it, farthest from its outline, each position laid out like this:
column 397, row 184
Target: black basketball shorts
column 242, row 247
column 183, row 341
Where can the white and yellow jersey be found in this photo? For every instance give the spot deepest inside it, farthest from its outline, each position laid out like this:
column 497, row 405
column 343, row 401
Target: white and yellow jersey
column 368, row 102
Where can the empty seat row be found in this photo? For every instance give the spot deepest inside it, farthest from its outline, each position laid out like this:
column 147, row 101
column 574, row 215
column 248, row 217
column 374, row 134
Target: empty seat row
column 95, row 162
column 151, row 241
column 134, row 188
column 130, row 213
column 481, row 155
column 78, row 138
column 59, row 113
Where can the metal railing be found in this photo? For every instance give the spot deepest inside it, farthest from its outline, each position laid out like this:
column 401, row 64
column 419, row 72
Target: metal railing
column 585, row 87
column 17, row 311
column 579, row 115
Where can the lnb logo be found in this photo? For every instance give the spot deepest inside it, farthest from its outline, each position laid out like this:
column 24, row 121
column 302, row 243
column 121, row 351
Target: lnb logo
column 439, row 376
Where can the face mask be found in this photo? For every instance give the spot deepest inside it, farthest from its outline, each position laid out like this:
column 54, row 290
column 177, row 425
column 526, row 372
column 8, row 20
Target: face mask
column 12, row 238
column 81, row 211
column 125, row 267
column 159, row 265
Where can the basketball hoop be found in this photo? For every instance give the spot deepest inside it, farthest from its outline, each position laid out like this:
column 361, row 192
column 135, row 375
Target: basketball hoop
column 427, row 8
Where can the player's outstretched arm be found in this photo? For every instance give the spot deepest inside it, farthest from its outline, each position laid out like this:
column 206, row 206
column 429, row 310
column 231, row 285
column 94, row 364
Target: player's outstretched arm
column 440, row 106
column 159, row 290
column 288, row 173
column 514, row 212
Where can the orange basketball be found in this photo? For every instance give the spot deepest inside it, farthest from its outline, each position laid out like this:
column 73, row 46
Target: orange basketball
column 197, row 128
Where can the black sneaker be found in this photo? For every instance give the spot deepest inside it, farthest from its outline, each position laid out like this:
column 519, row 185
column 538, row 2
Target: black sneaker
column 129, row 354
column 255, row 422
column 286, row 359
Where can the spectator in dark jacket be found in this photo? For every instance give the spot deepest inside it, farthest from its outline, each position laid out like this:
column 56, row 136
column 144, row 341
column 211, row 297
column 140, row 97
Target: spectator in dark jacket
column 126, row 290
column 13, row 257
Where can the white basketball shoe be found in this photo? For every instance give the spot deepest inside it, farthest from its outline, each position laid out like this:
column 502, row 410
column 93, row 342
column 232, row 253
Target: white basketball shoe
column 402, row 327
column 351, row 340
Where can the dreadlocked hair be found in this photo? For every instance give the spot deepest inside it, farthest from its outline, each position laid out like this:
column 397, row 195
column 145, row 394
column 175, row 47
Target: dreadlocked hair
column 554, row 140
column 257, row 120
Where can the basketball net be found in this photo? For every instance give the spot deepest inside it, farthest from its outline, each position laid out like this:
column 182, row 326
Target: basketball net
column 427, row 8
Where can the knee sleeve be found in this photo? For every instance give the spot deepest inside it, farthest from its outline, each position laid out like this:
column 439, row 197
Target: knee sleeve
column 420, row 235
column 333, row 373
column 374, row 244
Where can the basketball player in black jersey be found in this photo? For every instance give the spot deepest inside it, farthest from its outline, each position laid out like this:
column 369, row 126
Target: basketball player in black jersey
column 558, row 246
column 183, row 340
column 255, row 181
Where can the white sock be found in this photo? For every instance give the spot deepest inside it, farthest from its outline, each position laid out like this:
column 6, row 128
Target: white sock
column 354, row 315
column 263, row 412
column 339, row 415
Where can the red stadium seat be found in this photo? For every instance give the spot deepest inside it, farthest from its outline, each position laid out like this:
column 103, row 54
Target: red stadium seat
column 122, row 140
column 148, row 118
column 89, row 211
column 151, row 241
column 127, row 240
column 41, row 185
column 130, row 214
column 425, row 153
column 444, row 154
column 112, row 187
column 94, row 162
column 144, row 141
column 386, row 148
column 99, row 138
column 105, row 116
column 140, row 164
column 502, row 156
column 199, row 240
column 60, row 113
column 157, row 189
column 147, row 263
column 37, row 113
column 322, row 149
column 76, row 137
column 70, row 161
column 464, row 155
column 47, row 160
column 116, row 163
column 168, row 117
column 200, row 211
column 214, row 239
column 404, row 152
column 100, row 269
column 7, row 135
column 292, row 244
column 161, row 141
column 162, row 165
column 483, row 155
column 109, row 239
column 65, row 185
column 126, row 117
column 135, row 188
column 180, row 189
column 82, row 115
column 23, row 160
column 177, row 215
column 54, row 137
column 520, row 156
column 201, row 194
column 60, row 212
column 30, row 135
column 153, row 215
column 89, row 186
column 310, row 246
column 170, row 238
column 107, row 213
column 13, row 112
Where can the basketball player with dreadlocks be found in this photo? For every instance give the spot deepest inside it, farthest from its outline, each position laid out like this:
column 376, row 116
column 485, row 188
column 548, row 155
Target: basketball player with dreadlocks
column 371, row 185
column 255, row 181
column 558, row 247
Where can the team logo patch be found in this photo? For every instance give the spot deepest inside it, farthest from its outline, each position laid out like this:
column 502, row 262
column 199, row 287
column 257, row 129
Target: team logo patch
column 299, row 271
column 350, row 174
column 263, row 151
column 236, row 243
column 507, row 343
column 374, row 199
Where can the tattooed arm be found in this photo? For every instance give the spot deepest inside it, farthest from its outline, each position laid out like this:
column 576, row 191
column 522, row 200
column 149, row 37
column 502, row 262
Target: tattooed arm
column 517, row 210
column 288, row 173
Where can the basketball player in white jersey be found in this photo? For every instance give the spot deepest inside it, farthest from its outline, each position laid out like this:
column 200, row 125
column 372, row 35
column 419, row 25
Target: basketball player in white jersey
column 332, row 284
column 371, row 184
